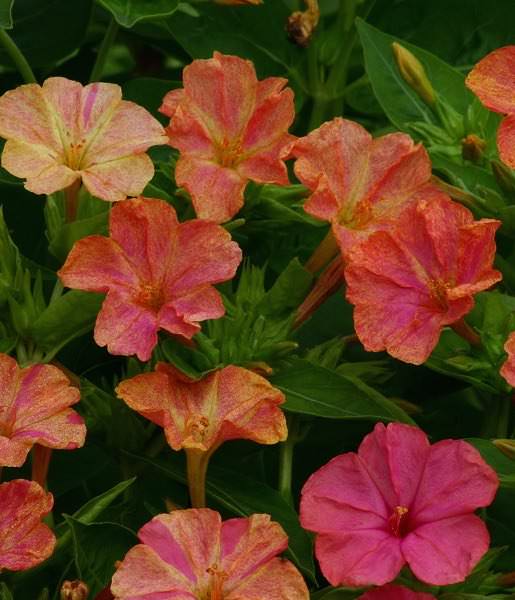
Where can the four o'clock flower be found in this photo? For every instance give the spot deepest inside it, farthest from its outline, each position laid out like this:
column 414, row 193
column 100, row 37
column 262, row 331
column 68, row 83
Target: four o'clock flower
column 406, row 284
column 35, row 409
column 227, row 404
column 493, row 82
column 395, row 592
column 61, row 132
column 158, row 274
column 229, row 128
column 508, row 368
column 358, row 183
column 193, row 555
column 399, row 500
column 25, row 541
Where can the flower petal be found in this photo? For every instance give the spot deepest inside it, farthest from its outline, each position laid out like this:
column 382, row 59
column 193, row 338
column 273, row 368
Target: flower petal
column 26, row 541
column 508, row 367
column 267, row 164
column 506, row 141
column 444, row 552
column 493, row 80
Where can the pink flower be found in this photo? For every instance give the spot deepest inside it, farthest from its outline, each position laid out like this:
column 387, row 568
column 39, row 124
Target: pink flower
column 408, row 283
column 508, row 368
column 62, row 132
column 192, row 555
column 35, row 409
column 493, row 82
column 229, row 128
column 158, row 274
column 25, row 541
column 358, row 183
column 226, row 404
column 395, row 592
column 397, row 501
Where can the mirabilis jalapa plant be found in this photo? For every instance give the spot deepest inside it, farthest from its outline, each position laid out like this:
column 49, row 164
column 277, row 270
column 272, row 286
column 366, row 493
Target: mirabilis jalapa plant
column 395, row 519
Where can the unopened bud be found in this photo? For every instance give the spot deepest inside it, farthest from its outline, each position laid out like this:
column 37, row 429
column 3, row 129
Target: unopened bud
column 301, row 25
column 472, row 148
column 74, row 590
column 504, row 176
column 507, row 447
column 414, row 73
column 506, row 580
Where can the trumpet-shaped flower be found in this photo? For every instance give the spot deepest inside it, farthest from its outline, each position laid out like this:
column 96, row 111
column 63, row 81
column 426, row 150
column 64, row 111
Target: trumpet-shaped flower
column 508, row 368
column 399, row 500
column 25, row 541
column 35, row 409
column 62, row 132
column 358, row 183
column 229, row 128
column 395, row 592
column 493, row 82
column 193, row 555
column 230, row 403
column 157, row 272
column 406, row 284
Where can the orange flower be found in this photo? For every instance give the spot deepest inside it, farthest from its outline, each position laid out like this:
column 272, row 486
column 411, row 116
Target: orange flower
column 62, row 132
column 493, row 82
column 229, row 128
column 508, row 367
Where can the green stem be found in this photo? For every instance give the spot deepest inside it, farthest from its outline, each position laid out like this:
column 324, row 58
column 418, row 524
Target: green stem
column 17, row 57
column 196, row 465
column 286, row 459
column 103, row 51
column 503, row 419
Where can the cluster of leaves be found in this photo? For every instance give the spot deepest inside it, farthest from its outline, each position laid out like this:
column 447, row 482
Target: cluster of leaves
column 334, row 390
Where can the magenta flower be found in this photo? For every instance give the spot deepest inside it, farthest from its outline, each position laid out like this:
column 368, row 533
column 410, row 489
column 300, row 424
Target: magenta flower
column 395, row 592
column 397, row 501
column 192, row 555
column 25, row 541
column 158, row 274
column 35, row 409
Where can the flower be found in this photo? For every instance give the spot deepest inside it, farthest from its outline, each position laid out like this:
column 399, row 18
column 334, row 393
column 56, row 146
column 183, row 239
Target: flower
column 157, row 272
column 358, row 183
column 226, row 404
column 508, row 368
column 395, row 592
column 191, row 554
column 399, row 500
column 493, row 82
column 35, row 409
column 25, row 541
column 229, row 128
column 62, row 132
column 408, row 283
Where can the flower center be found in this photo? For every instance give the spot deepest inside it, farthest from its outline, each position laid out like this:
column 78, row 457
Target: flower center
column 196, row 428
column 398, row 521
column 217, row 581
column 151, row 297
column 438, row 289
column 74, row 154
column 229, row 153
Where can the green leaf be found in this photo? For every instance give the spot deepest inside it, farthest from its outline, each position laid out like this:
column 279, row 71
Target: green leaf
column 69, row 316
column 336, row 594
column 504, row 466
column 244, row 496
column 96, row 548
column 6, row 19
column 61, row 244
column 5, row 594
column 129, row 12
column 149, row 92
column 314, row 390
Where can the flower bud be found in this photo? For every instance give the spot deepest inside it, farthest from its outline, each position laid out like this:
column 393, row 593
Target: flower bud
column 414, row 73
column 507, row 447
column 472, row 148
column 302, row 24
column 74, row 590
column 504, row 176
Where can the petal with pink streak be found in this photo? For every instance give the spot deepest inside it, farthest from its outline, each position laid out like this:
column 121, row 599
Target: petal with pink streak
column 395, row 457
column 456, row 481
column 341, row 497
column 395, row 592
column 27, row 542
column 114, row 180
column 359, row 558
column 508, row 367
column 493, row 80
column 506, row 141
column 216, row 192
column 444, row 552
column 126, row 327
column 97, row 264
column 13, row 452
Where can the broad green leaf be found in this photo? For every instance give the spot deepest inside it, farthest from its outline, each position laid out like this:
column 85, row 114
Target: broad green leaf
column 244, row 496
column 68, row 234
column 6, row 20
column 69, row 316
column 129, row 12
column 314, row 390
column 149, row 92
column 504, row 466
column 96, row 548
column 288, row 291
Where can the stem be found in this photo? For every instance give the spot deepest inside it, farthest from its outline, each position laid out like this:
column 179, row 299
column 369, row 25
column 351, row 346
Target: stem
column 17, row 57
column 503, row 419
column 71, row 195
column 323, row 254
column 196, row 464
column 103, row 51
column 41, row 456
column 464, row 330
column 286, row 459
